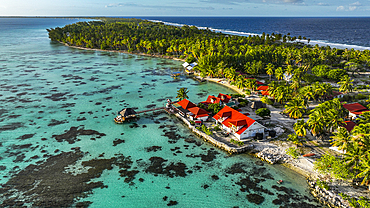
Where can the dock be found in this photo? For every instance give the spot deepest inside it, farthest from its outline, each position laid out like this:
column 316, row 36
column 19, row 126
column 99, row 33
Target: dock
column 150, row 110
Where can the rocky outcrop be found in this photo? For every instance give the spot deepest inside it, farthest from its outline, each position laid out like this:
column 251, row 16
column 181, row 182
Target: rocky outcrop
column 328, row 197
column 272, row 155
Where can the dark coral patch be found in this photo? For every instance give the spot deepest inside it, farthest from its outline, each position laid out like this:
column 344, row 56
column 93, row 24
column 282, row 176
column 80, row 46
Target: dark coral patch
column 81, row 119
column 255, row 198
column 153, row 148
column 157, row 166
column 172, row 203
column 11, row 126
column 49, row 185
column 26, row 136
column 71, row 135
column 54, row 122
column 118, row 141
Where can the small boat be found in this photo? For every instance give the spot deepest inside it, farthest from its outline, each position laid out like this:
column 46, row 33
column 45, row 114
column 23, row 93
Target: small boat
column 308, row 155
column 280, row 181
column 175, row 74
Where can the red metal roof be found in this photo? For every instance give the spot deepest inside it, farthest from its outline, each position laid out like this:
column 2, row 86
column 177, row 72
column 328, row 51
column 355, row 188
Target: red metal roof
column 186, row 104
column 349, row 125
column 263, row 88
column 224, row 98
column 212, row 99
column 198, row 112
column 355, row 108
column 235, row 119
column 265, row 93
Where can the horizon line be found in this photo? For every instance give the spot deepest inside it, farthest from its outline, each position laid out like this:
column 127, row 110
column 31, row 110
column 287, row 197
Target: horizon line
column 134, row 16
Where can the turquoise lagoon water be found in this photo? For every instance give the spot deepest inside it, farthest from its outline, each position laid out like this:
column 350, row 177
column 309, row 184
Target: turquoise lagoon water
column 48, row 88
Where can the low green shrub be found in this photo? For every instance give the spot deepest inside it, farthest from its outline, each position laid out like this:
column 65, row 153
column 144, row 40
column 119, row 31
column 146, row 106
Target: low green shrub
column 217, row 128
column 239, row 143
column 292, row 152
column 322, row 184
column 236, row 95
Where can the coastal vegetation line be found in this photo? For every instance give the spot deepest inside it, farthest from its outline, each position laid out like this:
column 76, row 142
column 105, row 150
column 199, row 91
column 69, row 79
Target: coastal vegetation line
column 298, row 74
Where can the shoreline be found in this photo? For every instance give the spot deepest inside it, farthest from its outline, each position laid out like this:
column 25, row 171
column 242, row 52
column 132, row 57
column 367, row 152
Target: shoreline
column 126, row 52
column 298, row 165
column 293, row 167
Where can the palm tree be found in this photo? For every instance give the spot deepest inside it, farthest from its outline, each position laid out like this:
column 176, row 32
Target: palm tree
column 182, row 93
column 333, row 120
column 341, row 138
column 220, row 69
column 270, row 69
column 316, row 122
column 346, row 84
column 365, row 171
column 240, row 83
column 230, row 73
column 279, row 73
column 296, row 107
column 364, row 118
column 300, row 128
column 251, row 84
column 353, row 156
column 307, row 92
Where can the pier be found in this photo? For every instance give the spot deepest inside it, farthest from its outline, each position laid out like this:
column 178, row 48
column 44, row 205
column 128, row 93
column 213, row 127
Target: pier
column 150, row 110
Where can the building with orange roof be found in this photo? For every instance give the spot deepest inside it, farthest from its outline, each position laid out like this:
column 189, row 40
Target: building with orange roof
column 186, row 104
column 188, row 109
column 212, row 99
column 197, row 113
column 224, row 97
column 265, row 93
column 240, row 125
column 262, row 88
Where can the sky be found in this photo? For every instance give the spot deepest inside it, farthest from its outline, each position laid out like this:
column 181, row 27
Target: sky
column 306, row 8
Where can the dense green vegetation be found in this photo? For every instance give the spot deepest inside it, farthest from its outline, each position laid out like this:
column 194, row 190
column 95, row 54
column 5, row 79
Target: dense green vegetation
column 218, row 55
column 355, row 163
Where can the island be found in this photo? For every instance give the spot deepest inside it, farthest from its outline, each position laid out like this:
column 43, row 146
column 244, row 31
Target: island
column 312, row 102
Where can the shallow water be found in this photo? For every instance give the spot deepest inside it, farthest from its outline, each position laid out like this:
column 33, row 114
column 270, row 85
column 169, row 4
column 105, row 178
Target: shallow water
column 55, row 98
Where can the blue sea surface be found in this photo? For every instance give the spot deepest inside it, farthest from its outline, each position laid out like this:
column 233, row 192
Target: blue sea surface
column 337, row 32
column 59, row 102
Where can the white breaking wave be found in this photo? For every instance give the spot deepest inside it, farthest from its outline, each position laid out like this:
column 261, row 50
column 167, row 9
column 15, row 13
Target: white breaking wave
column 312, row 42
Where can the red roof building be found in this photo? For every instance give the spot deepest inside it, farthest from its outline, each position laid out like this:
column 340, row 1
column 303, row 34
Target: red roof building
column 198, row 113
column 349, row 125
column 212, row 99
column 266, row 93
column 224, row 98
column 262, row 88
column 186, row 104
column 355, row 109
column 237, row 123
column 191, row 110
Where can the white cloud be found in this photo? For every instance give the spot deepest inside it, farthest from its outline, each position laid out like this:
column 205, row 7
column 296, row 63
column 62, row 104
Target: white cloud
column 356, row 4
column 341, row 8
column 352, row 8
column 158, row 6
column 323, row 4
column 235, row 2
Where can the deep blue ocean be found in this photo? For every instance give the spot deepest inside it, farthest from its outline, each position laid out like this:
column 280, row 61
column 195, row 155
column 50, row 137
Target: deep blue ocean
column 337, row 32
